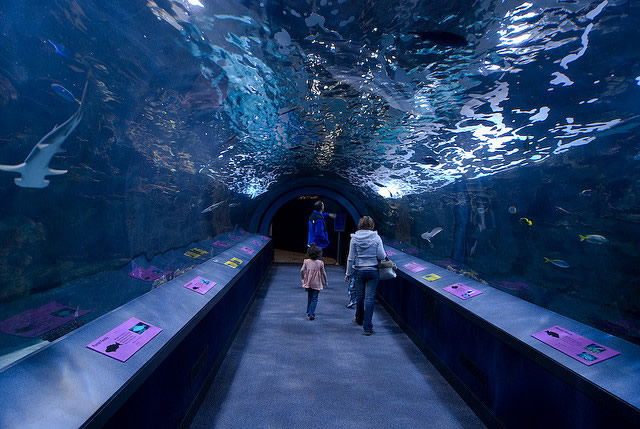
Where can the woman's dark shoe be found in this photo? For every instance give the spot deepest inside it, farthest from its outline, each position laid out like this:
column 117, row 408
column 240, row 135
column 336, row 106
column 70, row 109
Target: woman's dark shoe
column 311, row 316
column 368, row 333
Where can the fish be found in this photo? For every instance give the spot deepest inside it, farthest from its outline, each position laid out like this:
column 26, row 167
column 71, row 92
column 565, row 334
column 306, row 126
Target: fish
column 286, row 110
column 552, row 334
column 444, row 38
column 36, row 166
column 586, row 192
column 379, row 184
column 430, row 161
column 563, row 211
column 112, row 348
column 526, row 221
column 429, row 235
column 64, row 93
column 61, row 50
column 593, row 238
column 213, row 206
column 558, row 262
column 512, row 210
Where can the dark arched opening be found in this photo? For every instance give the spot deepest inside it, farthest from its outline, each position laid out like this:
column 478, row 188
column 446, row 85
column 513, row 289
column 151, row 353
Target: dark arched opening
column 289, row 227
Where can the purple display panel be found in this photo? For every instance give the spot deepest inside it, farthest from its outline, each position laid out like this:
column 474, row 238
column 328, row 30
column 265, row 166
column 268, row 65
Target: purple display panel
column 578, row 347
column 414, row 267
column 256, row 243
column 264, row 238
column 200, row 285
column 247, row 250
column 462, row 291
column 148, row 274
column 219, row 243
column 37, row 321
column 391, row 253
column 124, row 341
column 234, row 237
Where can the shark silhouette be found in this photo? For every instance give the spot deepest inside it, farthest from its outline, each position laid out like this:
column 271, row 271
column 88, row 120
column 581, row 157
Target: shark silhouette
column 34, row 169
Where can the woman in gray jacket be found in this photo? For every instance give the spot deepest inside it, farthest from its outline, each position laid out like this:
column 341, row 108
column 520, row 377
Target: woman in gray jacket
column 365, row 251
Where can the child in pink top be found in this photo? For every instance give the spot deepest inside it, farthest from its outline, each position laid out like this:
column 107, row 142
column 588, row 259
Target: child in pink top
column 314, row 278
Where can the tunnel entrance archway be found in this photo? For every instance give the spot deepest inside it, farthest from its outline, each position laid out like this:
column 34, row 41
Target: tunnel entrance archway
column 289, row 229
column 261, row 221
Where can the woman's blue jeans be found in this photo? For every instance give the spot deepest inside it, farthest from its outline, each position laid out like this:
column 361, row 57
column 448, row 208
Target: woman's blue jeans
column 366, row 285
column 312, row 301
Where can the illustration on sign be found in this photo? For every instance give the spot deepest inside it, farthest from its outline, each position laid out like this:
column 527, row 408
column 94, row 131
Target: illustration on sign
column 431, row 277
column 414, row 267
column 125, row 340
column 37, row 321
column 576, row 346
column 247, row 250
column 391, row 253
column 255, row 243
column 462, row 291
column 219, row 243
column 200, row 285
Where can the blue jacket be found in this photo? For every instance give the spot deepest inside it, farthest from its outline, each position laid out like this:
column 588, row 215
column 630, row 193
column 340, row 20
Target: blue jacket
column 317, row 231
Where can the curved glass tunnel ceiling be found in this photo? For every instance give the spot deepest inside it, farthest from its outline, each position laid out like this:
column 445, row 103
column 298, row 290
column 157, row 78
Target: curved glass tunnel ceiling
column 477, row 117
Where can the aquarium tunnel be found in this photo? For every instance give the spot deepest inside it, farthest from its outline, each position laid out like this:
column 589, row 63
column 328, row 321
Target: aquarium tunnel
column 162, row 169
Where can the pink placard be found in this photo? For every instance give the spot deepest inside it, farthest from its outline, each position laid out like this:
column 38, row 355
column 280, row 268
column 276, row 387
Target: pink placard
column 234, row 237
column 200, row 285
column 125, row 340
column 414, row 267
column 462, row 291
column 148, row 274
column 256, row 243
column 576, row 346
column 35, row 322
column 247, row 250
column 219, row 243
column 391, row 253
column 264, row 238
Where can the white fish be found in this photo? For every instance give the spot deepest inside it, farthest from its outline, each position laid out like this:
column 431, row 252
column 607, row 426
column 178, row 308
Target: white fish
column 34, row 169
column 593, row 238
column 429, row 235
column 213, row 206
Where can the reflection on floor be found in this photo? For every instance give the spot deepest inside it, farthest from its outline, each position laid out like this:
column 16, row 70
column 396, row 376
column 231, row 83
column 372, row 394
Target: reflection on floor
column 289, row 257
column 286, row 371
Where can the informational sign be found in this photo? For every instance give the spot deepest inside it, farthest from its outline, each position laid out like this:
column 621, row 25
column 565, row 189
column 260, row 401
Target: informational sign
column 219, row 243
column 195, row 253
column 340, row 222
column 200, row 285
column 38, row 321
column 414, row 267
column 247, row 250
column 125, row 340
column 431, row 277
column 148, row 274
column 462, row 291
column 234, row 237
column 391, row 253
column 255, row 243
column 264, row 238
column 578, row 347
column 234, row 262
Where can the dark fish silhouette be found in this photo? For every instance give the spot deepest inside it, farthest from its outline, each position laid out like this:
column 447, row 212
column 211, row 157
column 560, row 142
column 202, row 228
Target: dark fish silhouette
column 552, row 334
column 286, row 110
column 112, row 348
column 441, row 38
column 430, row 161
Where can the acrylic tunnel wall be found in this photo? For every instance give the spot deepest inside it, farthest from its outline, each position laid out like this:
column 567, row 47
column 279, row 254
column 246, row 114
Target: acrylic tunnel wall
column 498, row 139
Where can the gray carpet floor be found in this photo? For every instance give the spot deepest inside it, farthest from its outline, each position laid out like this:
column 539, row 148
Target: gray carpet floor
column 284, row 371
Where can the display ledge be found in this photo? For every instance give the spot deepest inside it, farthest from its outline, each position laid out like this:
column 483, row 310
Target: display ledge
column 67, row 385
column 516, row 320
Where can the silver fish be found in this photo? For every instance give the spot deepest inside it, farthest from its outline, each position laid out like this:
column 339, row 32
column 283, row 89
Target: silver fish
column 429, row 235
column 213, row 206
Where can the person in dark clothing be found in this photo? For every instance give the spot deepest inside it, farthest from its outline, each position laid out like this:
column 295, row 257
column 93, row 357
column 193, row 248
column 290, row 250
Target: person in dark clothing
column 317, row 227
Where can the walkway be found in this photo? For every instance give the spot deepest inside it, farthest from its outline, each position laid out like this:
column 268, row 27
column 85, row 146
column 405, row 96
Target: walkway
column 284, row 371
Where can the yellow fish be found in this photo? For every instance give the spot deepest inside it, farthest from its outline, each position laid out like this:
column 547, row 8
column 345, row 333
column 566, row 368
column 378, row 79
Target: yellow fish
column 526, row 221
